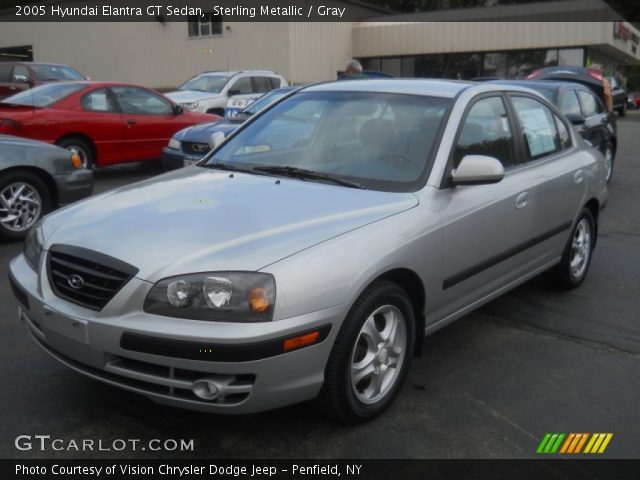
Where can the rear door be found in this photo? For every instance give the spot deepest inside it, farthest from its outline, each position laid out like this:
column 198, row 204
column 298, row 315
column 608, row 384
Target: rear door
column 486, row 227
column 596, row 119
column 556, row 170
column 149, row 121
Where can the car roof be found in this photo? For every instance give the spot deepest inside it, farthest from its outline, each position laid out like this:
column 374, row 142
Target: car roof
column 231, row 73
column 426, row 86
column 413, row 86
column 535, row 84
column 51, row 64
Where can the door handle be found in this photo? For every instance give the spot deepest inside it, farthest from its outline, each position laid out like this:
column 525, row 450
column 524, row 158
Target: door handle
column 131, row 121
column 522, row 200
column 578, row 177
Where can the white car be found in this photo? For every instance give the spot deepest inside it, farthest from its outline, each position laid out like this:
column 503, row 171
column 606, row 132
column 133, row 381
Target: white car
column 209, row 92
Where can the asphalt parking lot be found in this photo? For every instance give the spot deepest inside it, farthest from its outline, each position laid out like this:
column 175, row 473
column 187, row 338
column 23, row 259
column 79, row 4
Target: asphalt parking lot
column 488, row 386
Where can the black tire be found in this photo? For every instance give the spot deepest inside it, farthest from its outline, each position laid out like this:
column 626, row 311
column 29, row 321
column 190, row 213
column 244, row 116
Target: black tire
column 622, row 111
column 83, row 149
column 38, row 185
column 337, row 397
column 563, row 275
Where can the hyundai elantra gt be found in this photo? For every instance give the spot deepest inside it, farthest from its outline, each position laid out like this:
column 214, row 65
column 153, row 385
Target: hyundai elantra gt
column 305, row 256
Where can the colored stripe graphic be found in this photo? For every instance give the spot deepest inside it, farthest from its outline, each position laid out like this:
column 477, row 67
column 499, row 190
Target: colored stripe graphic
column 572, row 443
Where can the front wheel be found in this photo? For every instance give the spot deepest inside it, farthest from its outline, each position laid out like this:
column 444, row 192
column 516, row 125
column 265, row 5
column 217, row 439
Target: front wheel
column 622, row 111
column 609, row 156
column 572, row 269
column 24, row 199
column 371, row 355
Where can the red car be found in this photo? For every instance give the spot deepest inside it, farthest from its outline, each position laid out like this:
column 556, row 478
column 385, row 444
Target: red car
column 103, row 122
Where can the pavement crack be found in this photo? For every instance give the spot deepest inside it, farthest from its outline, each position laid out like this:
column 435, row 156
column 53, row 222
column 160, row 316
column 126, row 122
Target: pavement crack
column 585, row 342
column 499, row 416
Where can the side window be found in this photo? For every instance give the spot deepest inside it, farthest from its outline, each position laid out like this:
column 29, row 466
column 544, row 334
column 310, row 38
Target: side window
column 242, row 86
column 563, row 134
column 486, row 131
column 98, row 101
column 139, row 101
column 569, row 103
column 274, row 82
column 589, row 104
column 5, row 73
column 261, row 84
column 538, row 127
column 20, row 71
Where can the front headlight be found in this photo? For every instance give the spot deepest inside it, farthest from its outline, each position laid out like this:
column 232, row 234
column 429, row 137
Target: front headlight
column 175, row 144
column 217, row 296
column 33, row 246
column 191, row 106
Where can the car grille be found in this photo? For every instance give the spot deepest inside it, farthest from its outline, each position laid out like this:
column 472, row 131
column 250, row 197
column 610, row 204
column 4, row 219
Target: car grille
column 195, row 148
column 86, row 278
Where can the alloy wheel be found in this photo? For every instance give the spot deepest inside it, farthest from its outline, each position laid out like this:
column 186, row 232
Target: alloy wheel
column 580, row 249
column 378, row 354
column 20, row 206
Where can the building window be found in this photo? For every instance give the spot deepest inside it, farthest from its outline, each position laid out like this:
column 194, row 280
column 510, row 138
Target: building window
column 205, row 26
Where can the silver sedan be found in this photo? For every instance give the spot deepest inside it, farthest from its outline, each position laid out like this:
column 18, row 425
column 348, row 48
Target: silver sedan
column 307, row 255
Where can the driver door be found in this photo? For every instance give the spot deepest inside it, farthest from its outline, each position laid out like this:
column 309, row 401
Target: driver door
column 148, row 122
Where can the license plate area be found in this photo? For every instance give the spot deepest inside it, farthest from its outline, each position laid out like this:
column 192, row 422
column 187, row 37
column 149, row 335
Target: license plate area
column 72, row 328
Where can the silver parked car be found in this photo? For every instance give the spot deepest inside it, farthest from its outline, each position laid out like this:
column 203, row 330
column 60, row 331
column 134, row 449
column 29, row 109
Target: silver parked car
column 307, row 255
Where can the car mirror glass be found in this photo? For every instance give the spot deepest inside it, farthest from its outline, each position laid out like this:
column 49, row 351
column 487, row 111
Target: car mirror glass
column 575, row 118
column 477, row 170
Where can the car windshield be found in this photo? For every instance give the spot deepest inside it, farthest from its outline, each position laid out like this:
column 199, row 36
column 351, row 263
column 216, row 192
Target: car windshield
column 44, row 95
column 380, row 141
column 48, row 73
column 205, row 83
column 264, row 101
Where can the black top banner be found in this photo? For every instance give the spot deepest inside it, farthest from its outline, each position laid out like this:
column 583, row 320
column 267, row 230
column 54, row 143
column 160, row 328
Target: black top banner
column 315, row 10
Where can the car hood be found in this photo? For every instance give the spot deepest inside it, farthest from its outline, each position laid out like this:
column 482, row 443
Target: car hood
column 188, row 96
column 202, row 132
column 197, row 219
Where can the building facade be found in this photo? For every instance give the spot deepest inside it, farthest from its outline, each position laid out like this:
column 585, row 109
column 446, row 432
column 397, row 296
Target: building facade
column 500, row 42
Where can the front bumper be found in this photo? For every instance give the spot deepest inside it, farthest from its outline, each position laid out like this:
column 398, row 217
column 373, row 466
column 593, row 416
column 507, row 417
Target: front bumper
column 92, row 343
column 174, row 159
column 74, row 186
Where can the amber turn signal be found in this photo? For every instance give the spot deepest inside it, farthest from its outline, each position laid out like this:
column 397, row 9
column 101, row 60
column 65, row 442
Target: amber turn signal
column 258, row 300
column 75, row 159
column 301, row 341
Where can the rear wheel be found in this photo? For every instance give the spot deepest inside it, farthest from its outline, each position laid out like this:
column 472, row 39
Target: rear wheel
column 81, row 148
column 609, row 157
column 622, row 111
column 24, row 199
column 572, row 269
column 371, row 355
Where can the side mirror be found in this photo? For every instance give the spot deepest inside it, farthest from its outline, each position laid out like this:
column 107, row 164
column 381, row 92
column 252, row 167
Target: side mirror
column 477, row 170
column 177, row 109
column 575, row 118
column 233, row 92
column 216, row 140
column 20, row 79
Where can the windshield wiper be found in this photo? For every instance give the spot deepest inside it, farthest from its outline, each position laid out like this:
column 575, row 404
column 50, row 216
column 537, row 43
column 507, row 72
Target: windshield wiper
column 303, row 173
column 228, row 167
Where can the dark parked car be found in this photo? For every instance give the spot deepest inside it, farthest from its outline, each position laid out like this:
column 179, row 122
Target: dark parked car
column 620, row 96
column 18, row 76
column 35, row 178
column 584, row 110
column 192, row 143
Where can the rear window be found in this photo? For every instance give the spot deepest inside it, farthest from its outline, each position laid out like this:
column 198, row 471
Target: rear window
column 50, row 73
column 45, row 95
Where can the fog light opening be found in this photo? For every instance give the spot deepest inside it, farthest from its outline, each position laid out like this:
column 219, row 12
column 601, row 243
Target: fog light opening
column 206, row 389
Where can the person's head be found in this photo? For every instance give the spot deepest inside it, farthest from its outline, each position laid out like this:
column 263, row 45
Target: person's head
column 353, row 67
